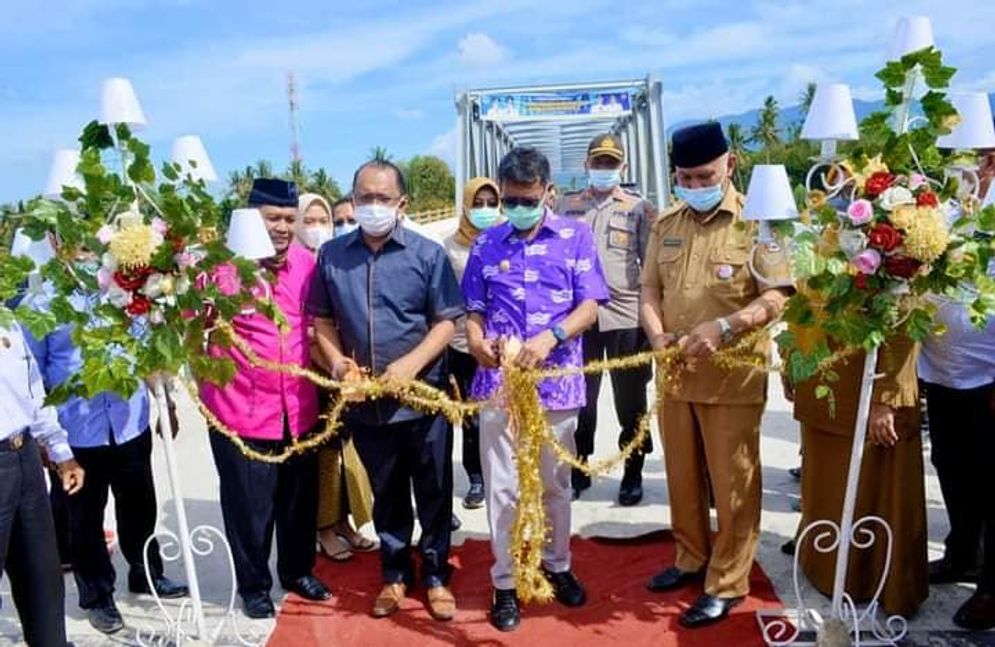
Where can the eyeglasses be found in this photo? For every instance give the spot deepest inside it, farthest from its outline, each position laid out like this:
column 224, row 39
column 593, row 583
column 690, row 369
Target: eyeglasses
column 528, row 203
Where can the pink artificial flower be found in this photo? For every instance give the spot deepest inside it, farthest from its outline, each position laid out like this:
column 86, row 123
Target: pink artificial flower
column 184, row 260
column 105, row 234
column 160, row 226
column 104, row 277
column 916, row 180
column 860, row 212
column 867, row 261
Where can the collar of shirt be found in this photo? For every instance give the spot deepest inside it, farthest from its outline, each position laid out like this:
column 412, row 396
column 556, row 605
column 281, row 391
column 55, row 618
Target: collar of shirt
column 396, row 236
column 615, row 195
column 550, row 224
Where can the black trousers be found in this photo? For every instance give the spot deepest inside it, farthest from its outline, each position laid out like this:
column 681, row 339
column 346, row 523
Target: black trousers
column 462, row 366
column 257, row 497
column 125, row 470
column 59, row 500
column 28, row 552
column 628, row 386
column 962, row 435
column 416, row 453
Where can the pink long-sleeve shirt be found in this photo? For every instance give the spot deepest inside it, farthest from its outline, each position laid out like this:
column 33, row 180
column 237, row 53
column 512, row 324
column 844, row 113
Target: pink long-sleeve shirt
column 256, row 401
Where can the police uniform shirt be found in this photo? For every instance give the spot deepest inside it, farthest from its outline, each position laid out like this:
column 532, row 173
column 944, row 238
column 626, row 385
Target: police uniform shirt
column 22, row 398
column 700, row 265
column 621, row 223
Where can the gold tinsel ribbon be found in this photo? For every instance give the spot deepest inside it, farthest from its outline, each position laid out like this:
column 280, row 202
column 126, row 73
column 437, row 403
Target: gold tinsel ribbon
column 519, row 397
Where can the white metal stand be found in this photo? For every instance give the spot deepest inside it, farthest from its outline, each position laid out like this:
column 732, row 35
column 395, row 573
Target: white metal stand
column 804, row 626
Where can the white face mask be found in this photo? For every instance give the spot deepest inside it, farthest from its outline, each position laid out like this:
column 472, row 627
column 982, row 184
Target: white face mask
column 316, row 236
column 376, row 219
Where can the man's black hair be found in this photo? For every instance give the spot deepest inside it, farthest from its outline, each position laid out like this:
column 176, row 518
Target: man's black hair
column 382, row 164
column 524, row 165
column 346, row 199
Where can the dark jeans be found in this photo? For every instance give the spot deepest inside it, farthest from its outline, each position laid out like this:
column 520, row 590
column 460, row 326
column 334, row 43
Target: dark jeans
column 59, row 501
column 28, row 552
column 962, row 433
column 628, row 387
column 416, row 453
column 257, row 497
column 125, row 470
column 462, row 366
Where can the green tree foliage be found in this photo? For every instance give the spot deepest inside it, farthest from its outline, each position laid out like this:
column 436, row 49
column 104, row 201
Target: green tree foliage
column 766, row 133
column 430, row 183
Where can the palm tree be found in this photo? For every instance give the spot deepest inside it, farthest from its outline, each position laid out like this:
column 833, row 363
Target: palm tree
column 380, row 154
column 766, row 132
column 737, row 146
column 324, row 184
column 263, row 168
column 297, row 173
column 806, row 98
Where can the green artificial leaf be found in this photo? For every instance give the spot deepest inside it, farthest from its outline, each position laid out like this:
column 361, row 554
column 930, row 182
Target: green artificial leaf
column 96, row 136
column 892, row 74
column 38, row 322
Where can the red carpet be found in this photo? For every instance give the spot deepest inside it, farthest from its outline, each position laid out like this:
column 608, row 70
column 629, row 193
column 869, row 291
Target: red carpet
column 620, row 611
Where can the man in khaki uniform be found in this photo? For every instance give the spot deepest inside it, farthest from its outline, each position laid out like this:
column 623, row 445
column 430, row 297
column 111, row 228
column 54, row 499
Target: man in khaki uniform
column 699, row 291
column 621, row 221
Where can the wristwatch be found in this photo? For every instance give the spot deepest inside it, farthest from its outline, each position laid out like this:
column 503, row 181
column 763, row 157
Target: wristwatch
column 726, row 328
column 559, row 333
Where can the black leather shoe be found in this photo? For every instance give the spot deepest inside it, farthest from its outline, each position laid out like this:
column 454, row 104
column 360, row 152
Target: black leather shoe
column 943, row 572
column 579, row 481
column 630, row 492
column 165, row 588
column 505, row 614
column 795, row 473
column 258, row 605
column 475, row 495
column 707, row 610
column 309, row 588
column 789, row 547
column 673, row 578
column 455, row 524
column 106, row 618
column 568, row 589
column 978, row 613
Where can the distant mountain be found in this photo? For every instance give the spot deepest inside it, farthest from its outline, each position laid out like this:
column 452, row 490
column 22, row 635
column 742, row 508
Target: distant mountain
column 789, row 115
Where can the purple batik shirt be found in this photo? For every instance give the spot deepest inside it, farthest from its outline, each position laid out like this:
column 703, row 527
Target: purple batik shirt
column 523, row 287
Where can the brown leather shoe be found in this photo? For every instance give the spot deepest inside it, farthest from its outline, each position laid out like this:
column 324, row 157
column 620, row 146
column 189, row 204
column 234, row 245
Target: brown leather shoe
column 978, row 613
column 441, row 603
column 389, row 600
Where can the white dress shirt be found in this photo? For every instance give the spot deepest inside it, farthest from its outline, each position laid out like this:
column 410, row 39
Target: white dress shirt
column 963, row 357
column 22, row 398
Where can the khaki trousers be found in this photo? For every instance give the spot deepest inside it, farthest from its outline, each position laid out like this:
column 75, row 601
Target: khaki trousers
column 714, row 447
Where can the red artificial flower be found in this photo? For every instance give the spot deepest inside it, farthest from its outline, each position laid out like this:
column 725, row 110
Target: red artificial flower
column 131, row 280
column 927, row 199
column 901, row 266
column 877, row 183
column 860, row 281
column 140, row 305
column 884, row 237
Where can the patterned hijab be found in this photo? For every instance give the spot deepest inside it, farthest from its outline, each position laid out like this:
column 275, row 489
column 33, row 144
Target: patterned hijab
column 467, row 233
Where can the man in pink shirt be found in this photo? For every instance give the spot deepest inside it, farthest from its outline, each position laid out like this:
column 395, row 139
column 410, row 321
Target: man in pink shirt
column 267, row 410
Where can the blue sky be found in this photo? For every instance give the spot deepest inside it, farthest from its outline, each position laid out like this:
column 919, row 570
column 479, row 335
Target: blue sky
column 385, row 72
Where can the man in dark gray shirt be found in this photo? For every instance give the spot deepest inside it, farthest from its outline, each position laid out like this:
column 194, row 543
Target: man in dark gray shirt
column 386, row 298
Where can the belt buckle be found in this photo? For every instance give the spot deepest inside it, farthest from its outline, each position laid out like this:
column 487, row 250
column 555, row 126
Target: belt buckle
column 17, row 441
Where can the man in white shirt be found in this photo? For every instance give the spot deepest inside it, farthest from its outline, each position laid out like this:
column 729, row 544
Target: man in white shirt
column 28, row 551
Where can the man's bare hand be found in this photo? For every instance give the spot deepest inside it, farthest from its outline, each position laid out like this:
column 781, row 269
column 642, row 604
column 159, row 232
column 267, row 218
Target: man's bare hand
column 535, row 351
column 402, row 369
column 881, row 426
column 71, row 474
column 701, row 342
column 486, row 353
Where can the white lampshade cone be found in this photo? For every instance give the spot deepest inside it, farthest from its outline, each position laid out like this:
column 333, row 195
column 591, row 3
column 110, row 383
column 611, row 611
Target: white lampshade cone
column 189, row 148
column 119, row 104
column 769, row 196
column 975, row 129
column 912, row 33
column 39, row 251
column 247, row 235
column 831, row 115
column 63, row 173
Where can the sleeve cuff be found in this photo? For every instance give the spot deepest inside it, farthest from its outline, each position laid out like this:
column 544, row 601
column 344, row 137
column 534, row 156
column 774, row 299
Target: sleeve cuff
column 59, row 452
column 450, row 314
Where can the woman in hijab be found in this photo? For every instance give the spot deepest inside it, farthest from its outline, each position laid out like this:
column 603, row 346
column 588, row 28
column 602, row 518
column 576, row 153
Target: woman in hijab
column 481, row 210
column 343, row 485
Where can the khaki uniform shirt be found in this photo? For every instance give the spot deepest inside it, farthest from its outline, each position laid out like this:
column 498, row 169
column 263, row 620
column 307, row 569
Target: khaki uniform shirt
column 621, row 224
column 700, row 265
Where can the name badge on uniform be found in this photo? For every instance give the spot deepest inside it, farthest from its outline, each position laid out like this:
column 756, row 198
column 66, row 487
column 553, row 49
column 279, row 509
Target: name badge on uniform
column 673, row 242
column 619, row 238
column 724, row 272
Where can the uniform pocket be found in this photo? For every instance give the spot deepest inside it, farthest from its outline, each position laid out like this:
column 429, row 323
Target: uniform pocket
column 669, row 264
column 728, row 269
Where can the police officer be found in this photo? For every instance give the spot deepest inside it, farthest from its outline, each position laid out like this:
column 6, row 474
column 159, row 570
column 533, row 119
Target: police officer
column 28, row 552
column 621, row 220
column 699, row 291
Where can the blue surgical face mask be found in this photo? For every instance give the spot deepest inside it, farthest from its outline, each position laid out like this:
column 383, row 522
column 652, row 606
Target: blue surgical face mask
column 524, row 218
column 344, row 228
column 703, row 199
column 604, row 179
column 484, row 217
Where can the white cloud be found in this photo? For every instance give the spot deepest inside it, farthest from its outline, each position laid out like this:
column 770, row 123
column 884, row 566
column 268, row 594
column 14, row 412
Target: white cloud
column 412, row 114
column 480, row 50
column 444, row 146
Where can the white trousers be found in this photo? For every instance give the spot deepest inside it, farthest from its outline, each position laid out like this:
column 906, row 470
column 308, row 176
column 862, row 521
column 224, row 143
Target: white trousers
column 497, row 457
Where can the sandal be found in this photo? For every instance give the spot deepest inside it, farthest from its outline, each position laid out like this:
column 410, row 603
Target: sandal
column 343, row 554
column 363, row 545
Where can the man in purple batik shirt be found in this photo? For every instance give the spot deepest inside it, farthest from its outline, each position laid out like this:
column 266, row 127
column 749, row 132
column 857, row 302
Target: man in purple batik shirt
column 536, row 278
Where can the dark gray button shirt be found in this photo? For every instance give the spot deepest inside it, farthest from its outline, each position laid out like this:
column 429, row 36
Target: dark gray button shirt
column 384, row 304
